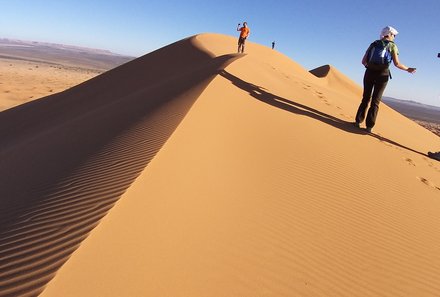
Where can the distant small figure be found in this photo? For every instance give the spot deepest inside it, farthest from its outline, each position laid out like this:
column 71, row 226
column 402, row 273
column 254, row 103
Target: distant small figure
column 377, row 59
column 244, row 34
column 273, row 44
column 438, row 55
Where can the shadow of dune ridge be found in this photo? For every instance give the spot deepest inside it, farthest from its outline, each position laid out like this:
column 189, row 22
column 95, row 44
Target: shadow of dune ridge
column 67, row 158
column 261, row 94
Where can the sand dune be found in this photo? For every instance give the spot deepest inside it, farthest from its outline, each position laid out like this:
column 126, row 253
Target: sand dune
column 194, row 171
column 336, row 80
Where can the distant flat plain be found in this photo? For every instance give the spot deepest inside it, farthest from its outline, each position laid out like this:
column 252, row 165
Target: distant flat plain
column 32, row 70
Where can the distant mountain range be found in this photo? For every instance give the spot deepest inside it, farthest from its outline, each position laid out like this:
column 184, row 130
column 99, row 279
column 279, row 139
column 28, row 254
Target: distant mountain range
column 66, row 55
column 414, row 110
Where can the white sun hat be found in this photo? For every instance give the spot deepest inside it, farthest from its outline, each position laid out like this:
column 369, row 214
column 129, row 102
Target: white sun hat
column 388, row 30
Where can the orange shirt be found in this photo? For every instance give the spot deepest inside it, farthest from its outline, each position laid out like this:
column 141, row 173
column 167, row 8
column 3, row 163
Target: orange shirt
column 244, row 32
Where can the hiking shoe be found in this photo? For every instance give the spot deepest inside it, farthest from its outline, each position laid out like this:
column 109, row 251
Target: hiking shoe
column 435, row 156
column 368, row 129
column 357, row 125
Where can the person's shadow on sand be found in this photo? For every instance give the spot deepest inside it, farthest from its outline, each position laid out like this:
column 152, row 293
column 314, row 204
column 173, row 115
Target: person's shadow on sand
column 261, row 94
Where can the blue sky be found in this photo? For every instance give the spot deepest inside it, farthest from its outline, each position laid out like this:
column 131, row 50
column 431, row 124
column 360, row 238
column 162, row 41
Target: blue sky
column 312, row 33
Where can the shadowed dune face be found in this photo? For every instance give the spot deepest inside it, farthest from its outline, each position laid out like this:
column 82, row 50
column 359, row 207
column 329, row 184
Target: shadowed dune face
column 67, row 158
column 322, row 71
column 95, row 111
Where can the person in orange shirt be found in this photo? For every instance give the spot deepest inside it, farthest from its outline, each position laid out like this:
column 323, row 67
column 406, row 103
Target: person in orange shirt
column 244, row 33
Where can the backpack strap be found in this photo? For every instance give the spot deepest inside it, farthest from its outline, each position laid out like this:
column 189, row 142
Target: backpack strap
column 390, row 42
column 373, row 44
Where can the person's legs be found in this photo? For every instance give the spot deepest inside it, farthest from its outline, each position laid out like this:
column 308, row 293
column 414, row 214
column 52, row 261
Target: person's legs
column 240, row 45
column 379, row 87
column 368, row 88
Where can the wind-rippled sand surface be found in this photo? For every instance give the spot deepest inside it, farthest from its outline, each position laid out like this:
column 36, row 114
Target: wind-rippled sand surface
column 217, row 174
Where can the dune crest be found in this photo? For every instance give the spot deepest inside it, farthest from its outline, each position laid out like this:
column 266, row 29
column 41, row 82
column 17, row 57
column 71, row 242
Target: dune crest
column 216, row 175
column 336, row 79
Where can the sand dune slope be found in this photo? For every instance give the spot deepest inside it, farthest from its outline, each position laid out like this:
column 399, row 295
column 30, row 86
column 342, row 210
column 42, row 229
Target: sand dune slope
column 257, row 184
column 335, row 79
column 67, row 158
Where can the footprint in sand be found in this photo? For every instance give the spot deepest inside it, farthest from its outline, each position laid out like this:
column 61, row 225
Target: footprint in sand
column 319, row 94
column 428, row 183
column 410, row 162
column 433, row 165
column 306, row 87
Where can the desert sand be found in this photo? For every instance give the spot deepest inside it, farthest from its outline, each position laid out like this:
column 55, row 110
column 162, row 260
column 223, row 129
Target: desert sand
column 22, row 81
column 196, row 171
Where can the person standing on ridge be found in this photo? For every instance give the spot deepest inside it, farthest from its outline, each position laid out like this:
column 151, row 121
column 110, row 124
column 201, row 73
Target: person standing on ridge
column 273, row 44
column 244, row 33
column 376, row 60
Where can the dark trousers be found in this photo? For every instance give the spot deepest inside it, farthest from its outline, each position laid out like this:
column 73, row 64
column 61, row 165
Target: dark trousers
column 374, row 86
column 241, row 43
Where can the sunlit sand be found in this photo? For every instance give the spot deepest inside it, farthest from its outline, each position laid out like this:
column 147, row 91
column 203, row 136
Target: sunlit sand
column 196, row 171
